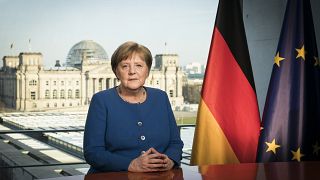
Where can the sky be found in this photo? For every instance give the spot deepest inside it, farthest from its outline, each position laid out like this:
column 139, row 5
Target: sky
column 53, row 27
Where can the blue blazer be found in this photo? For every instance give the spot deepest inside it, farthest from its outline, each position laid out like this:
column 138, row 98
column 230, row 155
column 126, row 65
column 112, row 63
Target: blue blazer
column 116, row 132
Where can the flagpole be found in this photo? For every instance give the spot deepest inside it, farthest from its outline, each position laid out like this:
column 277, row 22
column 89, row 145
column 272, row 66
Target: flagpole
column 29, row 45
column 165, row 48
column 11, row 48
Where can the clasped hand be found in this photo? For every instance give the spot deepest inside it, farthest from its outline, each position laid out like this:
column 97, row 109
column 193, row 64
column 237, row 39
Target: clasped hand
column 151, row 161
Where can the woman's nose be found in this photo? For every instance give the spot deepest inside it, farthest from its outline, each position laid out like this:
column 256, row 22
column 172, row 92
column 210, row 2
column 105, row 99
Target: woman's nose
column 132, row 69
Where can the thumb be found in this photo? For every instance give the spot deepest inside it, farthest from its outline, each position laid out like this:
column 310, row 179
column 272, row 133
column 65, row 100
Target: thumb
column 149, row 151
column 154, row 151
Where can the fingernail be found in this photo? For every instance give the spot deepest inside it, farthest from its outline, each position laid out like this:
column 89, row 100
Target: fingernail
column 142, row 152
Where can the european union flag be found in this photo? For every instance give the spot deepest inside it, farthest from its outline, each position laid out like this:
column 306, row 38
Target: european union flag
column 291, row 118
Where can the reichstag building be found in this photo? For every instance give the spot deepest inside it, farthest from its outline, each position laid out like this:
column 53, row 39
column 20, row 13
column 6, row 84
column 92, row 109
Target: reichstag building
column 26, row 85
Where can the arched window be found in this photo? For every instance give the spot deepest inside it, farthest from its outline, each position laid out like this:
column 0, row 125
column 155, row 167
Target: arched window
column 77, row 93
column 33, row 95
column 47, row 94
column 55, row 94
column 69, row 94
column 62, row 94
column 171, row 93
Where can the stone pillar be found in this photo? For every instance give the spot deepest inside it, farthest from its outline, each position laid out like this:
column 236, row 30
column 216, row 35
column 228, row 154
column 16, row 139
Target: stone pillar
column 110, row 83
column 17, row 99
column 107, row 83
column 96, row 85
column 83, row 89
column 103, row 81
column 24, row 92
column 89, row 89
column 114, row 82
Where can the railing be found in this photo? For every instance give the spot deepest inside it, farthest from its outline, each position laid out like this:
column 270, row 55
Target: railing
column 39, row 135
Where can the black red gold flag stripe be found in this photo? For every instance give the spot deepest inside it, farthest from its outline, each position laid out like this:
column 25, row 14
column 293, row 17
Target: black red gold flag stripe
column 228, row 121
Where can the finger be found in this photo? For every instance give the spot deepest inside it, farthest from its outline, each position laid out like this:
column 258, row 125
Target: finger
column 156, row 161
column 145, row 161
column 149, row 151
column 163, row 156
column 151, row 167
column 153, row 150
column 157, row 166
column 154, row 156
column 166, row 159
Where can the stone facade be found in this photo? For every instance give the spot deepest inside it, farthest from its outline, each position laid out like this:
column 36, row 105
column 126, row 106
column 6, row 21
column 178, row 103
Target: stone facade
column 26, row 85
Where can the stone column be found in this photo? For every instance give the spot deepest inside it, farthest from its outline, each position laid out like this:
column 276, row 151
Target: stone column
column 82, row 89
column 96, row 85
column 89, row 88
column 103, row 82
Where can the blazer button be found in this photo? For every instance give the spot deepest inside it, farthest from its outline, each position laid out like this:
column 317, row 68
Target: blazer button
column 142, row 138
column 139, row 123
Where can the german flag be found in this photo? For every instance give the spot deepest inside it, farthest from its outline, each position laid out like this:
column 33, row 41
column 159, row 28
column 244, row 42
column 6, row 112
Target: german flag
column 228, row 121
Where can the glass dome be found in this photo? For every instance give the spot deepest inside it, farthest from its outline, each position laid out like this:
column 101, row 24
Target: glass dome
column 88, row 48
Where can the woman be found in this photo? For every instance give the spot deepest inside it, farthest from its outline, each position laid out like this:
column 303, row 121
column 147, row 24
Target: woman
column 131, row 127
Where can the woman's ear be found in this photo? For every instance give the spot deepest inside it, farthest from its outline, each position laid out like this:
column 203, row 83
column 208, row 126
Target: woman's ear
column 116, row 73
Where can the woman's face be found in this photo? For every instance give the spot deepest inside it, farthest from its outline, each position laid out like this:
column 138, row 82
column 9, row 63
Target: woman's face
column 132, row 72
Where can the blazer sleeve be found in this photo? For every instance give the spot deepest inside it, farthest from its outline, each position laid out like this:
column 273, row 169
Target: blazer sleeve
column 174, row 150
column 94, row 148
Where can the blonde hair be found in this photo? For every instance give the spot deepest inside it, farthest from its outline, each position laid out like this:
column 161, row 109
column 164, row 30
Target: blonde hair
column 126, row 50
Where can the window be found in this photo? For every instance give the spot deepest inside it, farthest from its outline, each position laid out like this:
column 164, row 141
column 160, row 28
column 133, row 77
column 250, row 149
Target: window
column 62, row 83
column 32, row 83
column 54, row 82
column 33, row 95
column 34, row 105
column 55, row 104
column 55, row 94
column 77, row 82
column 62, row 94
column 69, row 94
column 47, row 94
column 62, row 104
column 47, row 83
column 48, row 105
column 157, row 82
column 171, row 93
column 77, row 93
column 70, row 104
